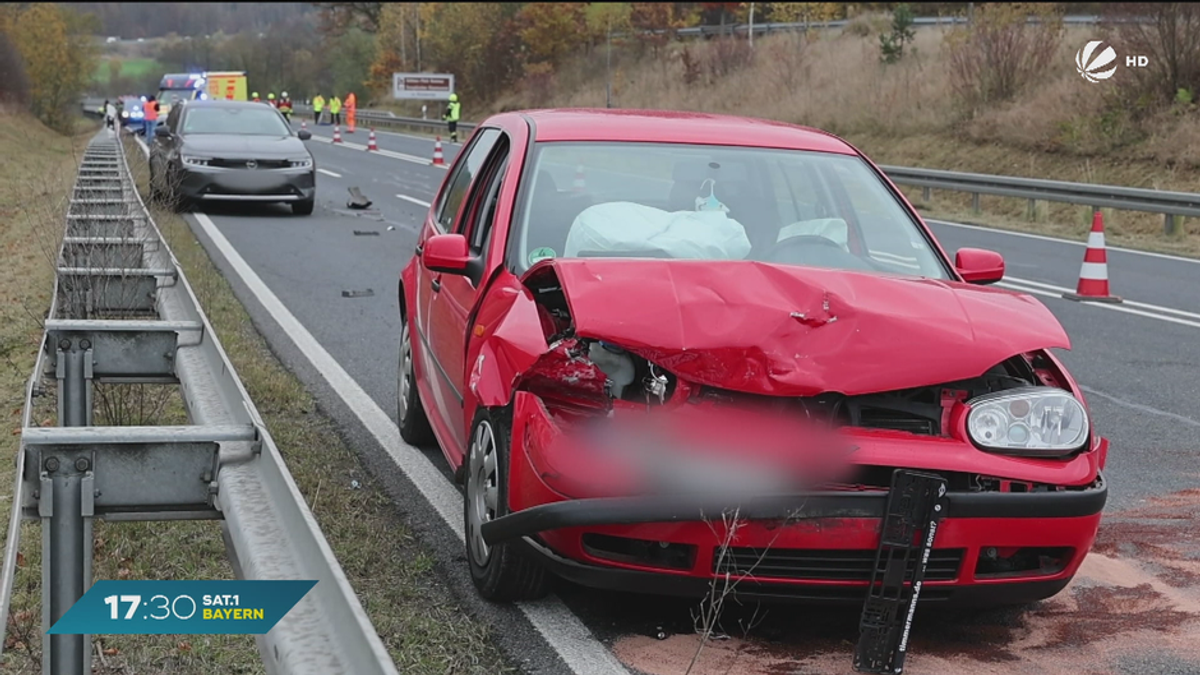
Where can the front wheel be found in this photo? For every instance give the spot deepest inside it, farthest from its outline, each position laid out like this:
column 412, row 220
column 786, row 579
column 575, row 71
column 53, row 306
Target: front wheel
column 502, row 572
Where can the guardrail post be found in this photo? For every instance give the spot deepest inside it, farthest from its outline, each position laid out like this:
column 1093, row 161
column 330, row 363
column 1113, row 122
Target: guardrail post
column 975, row 202
column 66, row 516
column 1169, row 224
column 1032, row 209
column 926, row 194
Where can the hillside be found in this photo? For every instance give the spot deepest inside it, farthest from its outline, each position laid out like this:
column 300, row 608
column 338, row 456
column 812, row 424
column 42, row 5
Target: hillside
column 1057, row 126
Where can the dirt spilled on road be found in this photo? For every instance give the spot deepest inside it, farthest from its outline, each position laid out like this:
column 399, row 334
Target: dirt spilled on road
column 1136, row 599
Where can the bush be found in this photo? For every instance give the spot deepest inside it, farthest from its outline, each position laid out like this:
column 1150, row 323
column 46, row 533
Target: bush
column 1171, row 43
column 14, row 84
column 891, row 45
column 727, row 55
column 1000, row 51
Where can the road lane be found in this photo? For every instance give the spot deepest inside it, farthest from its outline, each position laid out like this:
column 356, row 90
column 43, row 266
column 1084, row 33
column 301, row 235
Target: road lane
column 1141, row 373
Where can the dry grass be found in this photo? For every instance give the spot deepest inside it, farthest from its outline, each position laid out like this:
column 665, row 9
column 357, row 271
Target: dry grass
column 1060, row 127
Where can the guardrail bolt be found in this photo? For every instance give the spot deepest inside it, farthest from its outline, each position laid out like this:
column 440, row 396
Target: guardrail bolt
column 85, row 344
column 82, row 464
column 52, row 464
column 64, row 344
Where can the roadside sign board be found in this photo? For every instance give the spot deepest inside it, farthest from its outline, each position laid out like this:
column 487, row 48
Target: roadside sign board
column 422, row 86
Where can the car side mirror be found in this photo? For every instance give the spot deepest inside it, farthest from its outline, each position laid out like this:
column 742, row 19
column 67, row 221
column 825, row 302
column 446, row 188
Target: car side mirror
column 979, row 266
column 304, row 134
column 162, row 132
column 446, row 253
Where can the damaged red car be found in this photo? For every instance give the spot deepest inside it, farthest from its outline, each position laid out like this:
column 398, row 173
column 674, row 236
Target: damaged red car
column 663, row 350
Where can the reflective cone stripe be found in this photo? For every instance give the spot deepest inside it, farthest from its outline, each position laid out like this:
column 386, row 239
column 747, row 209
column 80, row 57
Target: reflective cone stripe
column 303, row 124
column 1093, row 273
column 580, row 184
column 337, row 135
column 371, row 142
column 438, row 159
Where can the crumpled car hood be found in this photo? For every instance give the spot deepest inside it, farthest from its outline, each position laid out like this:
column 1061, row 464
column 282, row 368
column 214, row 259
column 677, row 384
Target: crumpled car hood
column 798, row 331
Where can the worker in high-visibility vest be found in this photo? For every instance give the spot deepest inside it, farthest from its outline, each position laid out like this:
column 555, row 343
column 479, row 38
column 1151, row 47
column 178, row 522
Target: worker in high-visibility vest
column 335, row 109
column 271, row 99
column 285, row 106
column 255, row 98
column 318, row 106
column 452, row 115
column 351, row 107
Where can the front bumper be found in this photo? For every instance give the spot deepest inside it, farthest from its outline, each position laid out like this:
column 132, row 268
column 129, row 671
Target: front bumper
column 256, row 185
column 809, row 536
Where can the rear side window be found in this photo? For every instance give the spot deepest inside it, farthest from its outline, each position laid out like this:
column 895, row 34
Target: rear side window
column 464, row 174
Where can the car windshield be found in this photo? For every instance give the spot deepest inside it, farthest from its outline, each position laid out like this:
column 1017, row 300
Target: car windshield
column 717, row 203
column 247, row 121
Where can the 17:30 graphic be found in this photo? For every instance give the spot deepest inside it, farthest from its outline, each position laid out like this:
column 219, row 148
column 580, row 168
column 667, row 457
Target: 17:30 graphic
column 166, row 607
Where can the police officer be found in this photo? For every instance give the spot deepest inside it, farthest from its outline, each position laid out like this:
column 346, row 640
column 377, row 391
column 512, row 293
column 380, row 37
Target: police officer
column 452, row 115
column 335, row 109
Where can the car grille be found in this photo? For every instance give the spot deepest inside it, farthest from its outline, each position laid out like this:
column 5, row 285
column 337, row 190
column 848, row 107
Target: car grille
column 241, row 163
column 827, row 565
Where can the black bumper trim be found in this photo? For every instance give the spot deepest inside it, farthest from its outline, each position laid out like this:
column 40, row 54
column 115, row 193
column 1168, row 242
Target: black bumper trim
column 668, row 509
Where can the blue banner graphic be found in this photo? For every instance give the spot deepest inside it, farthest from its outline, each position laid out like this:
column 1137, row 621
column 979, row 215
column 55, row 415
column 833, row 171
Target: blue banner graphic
column 181, row 607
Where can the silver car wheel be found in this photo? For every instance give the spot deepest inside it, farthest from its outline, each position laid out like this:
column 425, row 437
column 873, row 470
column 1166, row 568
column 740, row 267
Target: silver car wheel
column 406, row 372
column 483, row 490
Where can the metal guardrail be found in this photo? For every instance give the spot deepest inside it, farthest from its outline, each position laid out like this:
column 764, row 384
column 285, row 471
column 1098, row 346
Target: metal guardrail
column 1170, row 204
column 123, row 312
column 792, row 26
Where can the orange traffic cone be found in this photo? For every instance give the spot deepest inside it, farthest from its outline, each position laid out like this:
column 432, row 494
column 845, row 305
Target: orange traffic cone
column 337, row 135
column 1093, row 275
column 303, row 125
column 438, row 160
column 579, row 184
column 371, row 142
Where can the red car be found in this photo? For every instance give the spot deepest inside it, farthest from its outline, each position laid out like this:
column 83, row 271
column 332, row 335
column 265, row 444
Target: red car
column 666, row 348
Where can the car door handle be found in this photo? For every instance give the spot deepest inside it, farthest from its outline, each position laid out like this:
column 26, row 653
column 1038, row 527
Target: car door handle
column 436, row 284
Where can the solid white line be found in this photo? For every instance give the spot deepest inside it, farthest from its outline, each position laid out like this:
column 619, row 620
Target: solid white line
column 414, row 200
column 327, row 172
column 1140, row 407
column 1130, row 303
column 561, row 629
column 386, row 153
column 1101, row 305
column 1042, row 237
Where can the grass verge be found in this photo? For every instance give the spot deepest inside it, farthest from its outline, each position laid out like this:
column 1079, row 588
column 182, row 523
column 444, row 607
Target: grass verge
column 424, row 630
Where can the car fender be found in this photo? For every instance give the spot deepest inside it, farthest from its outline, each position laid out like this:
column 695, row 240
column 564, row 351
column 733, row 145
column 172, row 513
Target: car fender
column 504, row 340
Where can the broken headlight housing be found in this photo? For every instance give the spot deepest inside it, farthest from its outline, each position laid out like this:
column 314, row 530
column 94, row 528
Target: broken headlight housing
column 1030, row 421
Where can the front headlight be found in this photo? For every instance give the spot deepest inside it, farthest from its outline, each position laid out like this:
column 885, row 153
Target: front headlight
column 1032, row 421
column 301, row 163
column 124, row 114
column 196, row 161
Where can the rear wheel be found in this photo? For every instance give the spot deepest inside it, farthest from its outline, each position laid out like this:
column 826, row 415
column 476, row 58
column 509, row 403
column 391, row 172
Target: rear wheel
column 502, row 572
column 303, row 208
column 410, row 414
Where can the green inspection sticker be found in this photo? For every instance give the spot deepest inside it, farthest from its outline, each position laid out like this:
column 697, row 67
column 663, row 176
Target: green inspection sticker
column 539, row 254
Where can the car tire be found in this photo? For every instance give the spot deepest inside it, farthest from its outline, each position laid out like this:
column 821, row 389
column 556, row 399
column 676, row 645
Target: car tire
column 304, row 208
column 503, row 572
column 410, row 413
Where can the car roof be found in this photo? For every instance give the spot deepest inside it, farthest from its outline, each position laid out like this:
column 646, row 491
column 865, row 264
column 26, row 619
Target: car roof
column 673, row 126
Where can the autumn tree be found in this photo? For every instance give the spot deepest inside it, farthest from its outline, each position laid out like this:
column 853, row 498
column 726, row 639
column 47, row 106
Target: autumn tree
column 476, row 41
column 14, row 84
column 338, row 17
column 550, row 30
column 805, row 12
column 655, row 23
column 59, row 58
column 605, row 18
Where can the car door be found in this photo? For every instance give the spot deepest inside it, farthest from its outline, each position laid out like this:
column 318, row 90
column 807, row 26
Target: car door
column 160, row 148
column 444, row 384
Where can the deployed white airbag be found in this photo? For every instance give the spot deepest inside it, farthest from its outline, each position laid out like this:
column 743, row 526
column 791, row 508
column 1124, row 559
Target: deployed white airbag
column 625, row 227
column 834, row 229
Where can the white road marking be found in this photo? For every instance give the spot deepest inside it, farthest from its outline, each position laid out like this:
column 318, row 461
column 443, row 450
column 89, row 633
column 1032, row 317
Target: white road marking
column 1131, row 303
column 1042, row 237
column 1045, row 289
column 562, row 630
column 327, row 172
column 386, row 153
column 414, row 200
column 1140, row 407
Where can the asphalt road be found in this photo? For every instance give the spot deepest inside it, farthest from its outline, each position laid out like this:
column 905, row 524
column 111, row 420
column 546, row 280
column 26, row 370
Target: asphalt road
column 1130, row 610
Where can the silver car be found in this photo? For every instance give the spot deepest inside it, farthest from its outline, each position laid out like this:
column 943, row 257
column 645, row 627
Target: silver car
column 231, row 151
